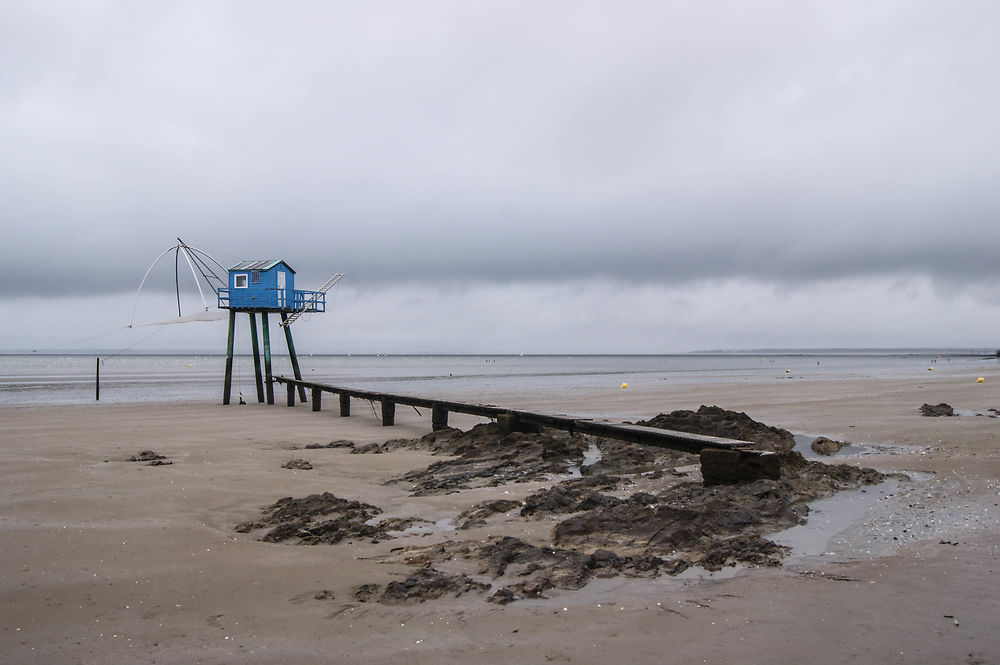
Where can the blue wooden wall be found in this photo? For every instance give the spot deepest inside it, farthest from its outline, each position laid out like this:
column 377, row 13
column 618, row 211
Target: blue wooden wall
column 246, row 292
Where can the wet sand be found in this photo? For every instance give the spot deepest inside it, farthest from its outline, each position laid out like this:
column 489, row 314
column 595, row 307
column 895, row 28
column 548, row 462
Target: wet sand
column 105, row 560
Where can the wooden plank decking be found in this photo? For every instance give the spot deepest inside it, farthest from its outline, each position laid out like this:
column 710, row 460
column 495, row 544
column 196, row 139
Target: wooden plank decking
column 722, row 460
column 683, row 441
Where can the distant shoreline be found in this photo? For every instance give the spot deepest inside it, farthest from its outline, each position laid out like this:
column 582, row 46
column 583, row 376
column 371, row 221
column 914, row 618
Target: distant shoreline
column 860, row 351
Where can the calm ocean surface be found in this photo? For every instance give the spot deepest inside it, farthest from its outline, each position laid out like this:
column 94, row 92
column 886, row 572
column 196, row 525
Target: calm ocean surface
column 69, row 379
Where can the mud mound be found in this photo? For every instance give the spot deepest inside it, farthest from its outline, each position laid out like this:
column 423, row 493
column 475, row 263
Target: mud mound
column 689, row 516
column 716, row 421
column 484, row 457
column 825, row 446
column 151, row 458
column 519, row 569
column 634, row 520
column 424, row 584
column 316, row 519
column 687, row 519
column 620, row 457
column 937, row 410
column 340, row 443
column 752, row 550
column 813, row 480
column 570, row 496
column 476, row 516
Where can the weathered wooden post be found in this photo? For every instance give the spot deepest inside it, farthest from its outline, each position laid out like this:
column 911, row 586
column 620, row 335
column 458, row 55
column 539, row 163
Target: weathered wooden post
column 721, row 466
column 97, row 382
column 228, row 386
column 345, row 405
column 268, row 378
column 509, row 423
column 439, row 418
column 255, row 346
column 317, row 398
column 291, row 354
column 388, row 412
column 291, row 393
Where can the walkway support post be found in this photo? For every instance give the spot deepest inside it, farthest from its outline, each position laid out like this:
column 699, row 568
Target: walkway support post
column 255, row 346
column 228, row 386
column 439, row 418
column 388, row 412
column 345, row 405
column 317, row 398
column 291, row 354
column 269, row 383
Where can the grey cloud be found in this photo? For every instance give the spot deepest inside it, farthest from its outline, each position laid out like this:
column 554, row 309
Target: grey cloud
column 438, row 142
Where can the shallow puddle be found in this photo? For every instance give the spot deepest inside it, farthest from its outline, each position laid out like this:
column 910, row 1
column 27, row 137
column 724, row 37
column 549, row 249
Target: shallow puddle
column 699, row 573
column 425, row 528
column 830, row 517
column 591, row 455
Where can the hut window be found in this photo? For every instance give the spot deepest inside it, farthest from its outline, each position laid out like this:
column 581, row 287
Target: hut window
column 255, row 277
column 240, row 281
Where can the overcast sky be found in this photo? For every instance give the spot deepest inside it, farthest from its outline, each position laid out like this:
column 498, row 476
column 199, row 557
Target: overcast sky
column 506, row 177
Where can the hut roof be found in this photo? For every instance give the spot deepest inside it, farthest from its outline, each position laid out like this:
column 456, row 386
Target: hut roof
column 266, row 264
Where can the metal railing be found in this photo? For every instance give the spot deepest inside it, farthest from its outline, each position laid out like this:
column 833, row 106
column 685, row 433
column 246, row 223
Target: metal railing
column 295, row 300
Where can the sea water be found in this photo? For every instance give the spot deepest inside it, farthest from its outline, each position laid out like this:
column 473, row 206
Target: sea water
column 70, row 378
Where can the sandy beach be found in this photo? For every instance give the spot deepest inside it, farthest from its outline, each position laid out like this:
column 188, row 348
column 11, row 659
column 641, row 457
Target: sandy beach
column 111, row 561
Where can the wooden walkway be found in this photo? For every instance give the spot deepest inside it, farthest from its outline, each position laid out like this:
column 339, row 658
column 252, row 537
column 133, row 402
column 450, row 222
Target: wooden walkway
column 731, row 452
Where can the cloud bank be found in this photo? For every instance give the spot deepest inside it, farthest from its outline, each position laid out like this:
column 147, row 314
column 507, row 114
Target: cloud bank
column 629, row 150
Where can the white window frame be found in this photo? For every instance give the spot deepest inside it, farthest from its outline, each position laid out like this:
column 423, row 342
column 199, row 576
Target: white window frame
column 241, row 277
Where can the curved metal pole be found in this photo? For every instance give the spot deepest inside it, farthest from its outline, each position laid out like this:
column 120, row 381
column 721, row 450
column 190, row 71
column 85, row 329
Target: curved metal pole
column 174, row 248
column 195, row 275
column 206, row 270
column 177, row 281
column 136, row 303
column 195, row 254
column 201, row 251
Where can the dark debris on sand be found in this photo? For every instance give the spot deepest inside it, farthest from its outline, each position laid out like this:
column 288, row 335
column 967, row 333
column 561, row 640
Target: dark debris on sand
column 151, row 458
column 937, row 410
column 645, row 534
column 599, row 529
column 477, row 514
column 320, row 519
column 716, row 421
column 485, row 457
column 340, row 443
column 423, row 584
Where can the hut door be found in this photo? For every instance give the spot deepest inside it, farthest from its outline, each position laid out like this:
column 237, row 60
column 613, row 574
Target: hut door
column 281, row 289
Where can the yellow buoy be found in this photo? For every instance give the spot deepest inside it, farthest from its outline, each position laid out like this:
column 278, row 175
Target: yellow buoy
column 624, row 385
column 190, row 365
column 930, row 369
column 788, row 371
column 980, row 380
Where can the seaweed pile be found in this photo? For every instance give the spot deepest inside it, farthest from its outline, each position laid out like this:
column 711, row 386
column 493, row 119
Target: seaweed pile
column 635, row 511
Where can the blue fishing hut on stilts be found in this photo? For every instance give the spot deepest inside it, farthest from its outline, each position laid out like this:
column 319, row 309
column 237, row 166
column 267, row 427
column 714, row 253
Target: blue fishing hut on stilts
column 267, row 287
